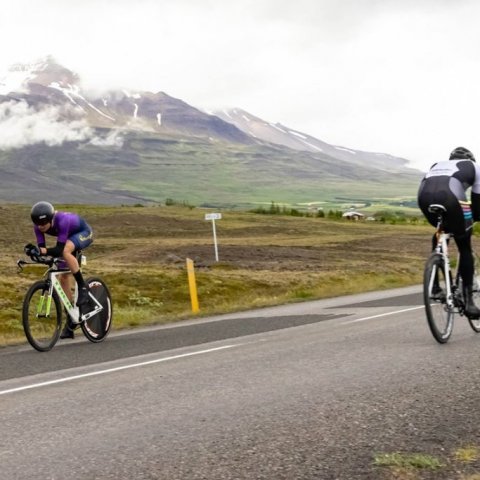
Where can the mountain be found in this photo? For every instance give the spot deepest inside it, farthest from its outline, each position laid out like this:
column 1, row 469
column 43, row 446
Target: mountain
column 291, row 138
column 48, row 83
column 62, row 143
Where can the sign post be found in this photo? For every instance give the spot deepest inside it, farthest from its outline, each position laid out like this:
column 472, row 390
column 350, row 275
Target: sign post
column 213, row 217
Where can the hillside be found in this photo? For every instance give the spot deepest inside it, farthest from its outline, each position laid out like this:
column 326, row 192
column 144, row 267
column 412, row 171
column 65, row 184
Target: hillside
column 149, row 168
column 60, row 143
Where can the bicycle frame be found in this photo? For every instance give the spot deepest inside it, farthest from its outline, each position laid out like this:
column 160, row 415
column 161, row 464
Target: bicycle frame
column 72, row 310
column 442, row 249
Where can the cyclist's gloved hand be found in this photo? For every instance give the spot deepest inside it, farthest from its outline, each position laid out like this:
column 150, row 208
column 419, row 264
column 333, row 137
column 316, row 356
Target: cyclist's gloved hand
column 27, row 248
column 32, row 251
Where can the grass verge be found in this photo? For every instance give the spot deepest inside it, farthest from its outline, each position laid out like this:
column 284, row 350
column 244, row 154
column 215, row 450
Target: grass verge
column 460, row 464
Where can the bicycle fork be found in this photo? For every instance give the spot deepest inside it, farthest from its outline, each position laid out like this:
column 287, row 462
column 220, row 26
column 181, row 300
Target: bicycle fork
column 45, row 301
column 44, row 304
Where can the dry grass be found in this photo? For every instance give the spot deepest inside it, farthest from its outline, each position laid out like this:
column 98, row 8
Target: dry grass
column 264, row 260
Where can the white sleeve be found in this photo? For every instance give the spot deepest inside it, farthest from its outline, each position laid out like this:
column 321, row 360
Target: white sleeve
column 476, row 184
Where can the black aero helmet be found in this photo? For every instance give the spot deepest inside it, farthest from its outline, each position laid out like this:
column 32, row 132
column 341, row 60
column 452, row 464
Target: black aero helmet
column 461, row 153
column 42, row 213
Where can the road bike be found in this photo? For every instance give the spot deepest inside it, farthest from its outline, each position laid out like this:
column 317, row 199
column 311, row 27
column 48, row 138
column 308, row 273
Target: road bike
column 43, row 302
column 442, row 288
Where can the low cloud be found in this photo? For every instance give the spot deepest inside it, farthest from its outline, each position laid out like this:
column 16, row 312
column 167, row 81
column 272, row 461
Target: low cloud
column 112, row 139
column 22, row 125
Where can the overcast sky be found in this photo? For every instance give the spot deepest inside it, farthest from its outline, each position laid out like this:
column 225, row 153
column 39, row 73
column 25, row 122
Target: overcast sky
column 394, row 76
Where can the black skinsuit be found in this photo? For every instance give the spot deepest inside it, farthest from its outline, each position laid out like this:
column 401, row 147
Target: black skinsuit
column 446, row 184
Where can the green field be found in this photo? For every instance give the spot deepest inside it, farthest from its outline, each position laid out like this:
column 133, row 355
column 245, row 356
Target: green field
column 151, row 168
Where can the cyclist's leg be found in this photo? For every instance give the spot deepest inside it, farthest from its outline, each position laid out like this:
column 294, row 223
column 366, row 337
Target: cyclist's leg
column 461, row 226
column 72, row 264
column 66, row 281
column 465, row 264
column 432, row 190
column 69, row 256
column 459, row 222
column 466, row 269
column 78, row 241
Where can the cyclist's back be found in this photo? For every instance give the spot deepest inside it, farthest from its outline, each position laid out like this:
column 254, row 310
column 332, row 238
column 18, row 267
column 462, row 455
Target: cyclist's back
column 446, row 183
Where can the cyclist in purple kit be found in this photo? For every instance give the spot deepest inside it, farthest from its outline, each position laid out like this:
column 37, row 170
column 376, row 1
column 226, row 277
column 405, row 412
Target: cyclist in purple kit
column 73, row 233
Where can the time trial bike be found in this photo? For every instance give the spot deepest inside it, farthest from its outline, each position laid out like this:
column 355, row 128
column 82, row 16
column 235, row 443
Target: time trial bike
column 442, row 288
column 42, row 306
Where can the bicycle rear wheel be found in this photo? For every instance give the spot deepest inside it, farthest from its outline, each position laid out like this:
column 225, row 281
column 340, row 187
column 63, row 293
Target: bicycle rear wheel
column 439, row 314
column 97, row 327
column 42, row 328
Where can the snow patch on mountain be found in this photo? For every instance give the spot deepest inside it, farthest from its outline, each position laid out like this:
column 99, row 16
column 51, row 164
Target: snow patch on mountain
column 66, row 91
column 135, row 96
column 346, row 150
column 303, row 137
column 312, row 146
column 274, row 125
column 15, row 79
column 72, row 92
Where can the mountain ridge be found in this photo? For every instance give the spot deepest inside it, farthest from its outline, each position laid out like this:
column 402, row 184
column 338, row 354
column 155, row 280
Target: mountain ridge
column 280, row 134
column 145, row 146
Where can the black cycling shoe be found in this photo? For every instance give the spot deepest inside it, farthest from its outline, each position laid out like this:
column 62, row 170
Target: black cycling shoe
column 83, row 297
column 67, row 332
column 438, row 294
column 471, row 310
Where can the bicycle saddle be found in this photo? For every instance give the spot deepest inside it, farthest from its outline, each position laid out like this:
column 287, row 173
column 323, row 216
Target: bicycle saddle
column 436, row 208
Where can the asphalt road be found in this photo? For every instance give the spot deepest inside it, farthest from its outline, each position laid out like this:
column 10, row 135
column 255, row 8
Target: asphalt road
column 307, row 391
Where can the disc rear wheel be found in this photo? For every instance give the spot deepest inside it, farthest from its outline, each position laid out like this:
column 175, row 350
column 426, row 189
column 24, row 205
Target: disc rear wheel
column 96, row 328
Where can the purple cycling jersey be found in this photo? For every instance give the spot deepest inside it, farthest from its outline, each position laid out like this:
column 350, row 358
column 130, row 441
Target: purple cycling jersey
column 64, row 225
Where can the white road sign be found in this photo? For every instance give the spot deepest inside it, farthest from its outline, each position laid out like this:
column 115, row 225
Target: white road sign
column 213, row 216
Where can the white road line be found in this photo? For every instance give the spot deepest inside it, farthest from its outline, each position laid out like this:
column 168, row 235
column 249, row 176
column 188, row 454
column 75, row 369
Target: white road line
column 110, row 370
column 382, row 315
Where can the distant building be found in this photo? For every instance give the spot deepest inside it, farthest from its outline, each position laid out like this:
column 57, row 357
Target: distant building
column 352, row 215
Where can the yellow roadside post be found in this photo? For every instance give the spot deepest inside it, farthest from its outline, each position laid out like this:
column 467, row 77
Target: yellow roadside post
column 192, row 285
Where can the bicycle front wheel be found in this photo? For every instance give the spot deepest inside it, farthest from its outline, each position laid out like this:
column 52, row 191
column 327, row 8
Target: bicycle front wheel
column 97, row 327
column 41, row 318
column 439, row 314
